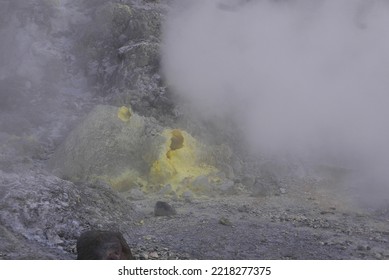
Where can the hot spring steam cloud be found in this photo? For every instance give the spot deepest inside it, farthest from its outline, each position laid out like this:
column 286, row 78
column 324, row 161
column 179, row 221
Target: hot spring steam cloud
column 308, row 78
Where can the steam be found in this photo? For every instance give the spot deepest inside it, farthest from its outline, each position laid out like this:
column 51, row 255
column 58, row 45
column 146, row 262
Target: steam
column 40, row 87
column 308, row 78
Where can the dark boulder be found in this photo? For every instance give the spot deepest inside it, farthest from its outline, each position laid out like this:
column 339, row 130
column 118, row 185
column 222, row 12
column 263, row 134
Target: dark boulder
column 103, row 245
column 164, row 209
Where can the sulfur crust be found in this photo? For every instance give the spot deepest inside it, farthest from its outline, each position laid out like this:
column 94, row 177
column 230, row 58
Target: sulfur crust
column 177, row 163
column 124, row 114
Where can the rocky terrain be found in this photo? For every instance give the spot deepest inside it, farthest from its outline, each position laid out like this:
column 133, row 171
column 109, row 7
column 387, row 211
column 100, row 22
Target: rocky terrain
column 71, row 160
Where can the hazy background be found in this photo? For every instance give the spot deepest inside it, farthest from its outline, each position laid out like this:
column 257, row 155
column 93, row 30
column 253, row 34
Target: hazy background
column 302, row 78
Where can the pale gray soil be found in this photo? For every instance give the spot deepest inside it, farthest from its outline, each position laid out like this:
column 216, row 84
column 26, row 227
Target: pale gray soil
column 304, row 223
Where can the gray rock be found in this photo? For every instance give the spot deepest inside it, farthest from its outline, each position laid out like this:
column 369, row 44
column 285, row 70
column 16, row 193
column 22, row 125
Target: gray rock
column 244, row 209
column 167, row 190
column 153, row 255
column 248, row 180
column 129, row 32
column 52, row 212
column 262, row 189
column 103, row 245
column 227, row 170
column 163, row 208
column 225, row 222
column 104, row 146
column 226, row 187
column 144, row 256
column 363, row 248
column 188, row 196
column 201, row 184
column 136, row 194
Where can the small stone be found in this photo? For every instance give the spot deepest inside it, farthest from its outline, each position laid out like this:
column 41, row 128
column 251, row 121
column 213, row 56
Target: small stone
column 73, row 249
column 262, row 189
column 153, row 255
column 147, row 237
column 201, row 184
column 363, row 248
column 188, row 196
column 144, row 256
column 167, row 190
column 225, row 222
column 378, row 256
column 163, row 208
column 136, row 194
column 248, row 180
column 226, row 187
column 228, row 170
column 244, row 209
column 282, row 190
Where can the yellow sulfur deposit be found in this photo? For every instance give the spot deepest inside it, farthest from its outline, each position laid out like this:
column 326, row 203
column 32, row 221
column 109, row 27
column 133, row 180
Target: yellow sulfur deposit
column 124, row 113
column 177, row 163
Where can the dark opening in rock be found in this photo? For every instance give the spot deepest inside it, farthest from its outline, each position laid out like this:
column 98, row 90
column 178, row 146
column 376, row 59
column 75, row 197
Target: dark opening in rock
column 176, row 141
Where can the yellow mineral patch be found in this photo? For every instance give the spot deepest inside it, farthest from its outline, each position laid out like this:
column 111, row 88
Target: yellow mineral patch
column 124, row 113
column 177, row 163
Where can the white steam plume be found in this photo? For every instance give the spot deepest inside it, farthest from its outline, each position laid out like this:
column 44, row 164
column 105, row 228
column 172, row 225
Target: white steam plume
column 300, row 76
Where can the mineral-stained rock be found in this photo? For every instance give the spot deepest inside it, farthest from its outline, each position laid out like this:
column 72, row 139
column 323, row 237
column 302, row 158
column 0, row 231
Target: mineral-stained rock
column 130, row 150
column 104, row 146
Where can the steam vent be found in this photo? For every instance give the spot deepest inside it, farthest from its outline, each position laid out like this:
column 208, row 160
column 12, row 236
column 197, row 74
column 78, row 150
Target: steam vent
column 126, row 150
column 124, row 113
column 178, row 163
